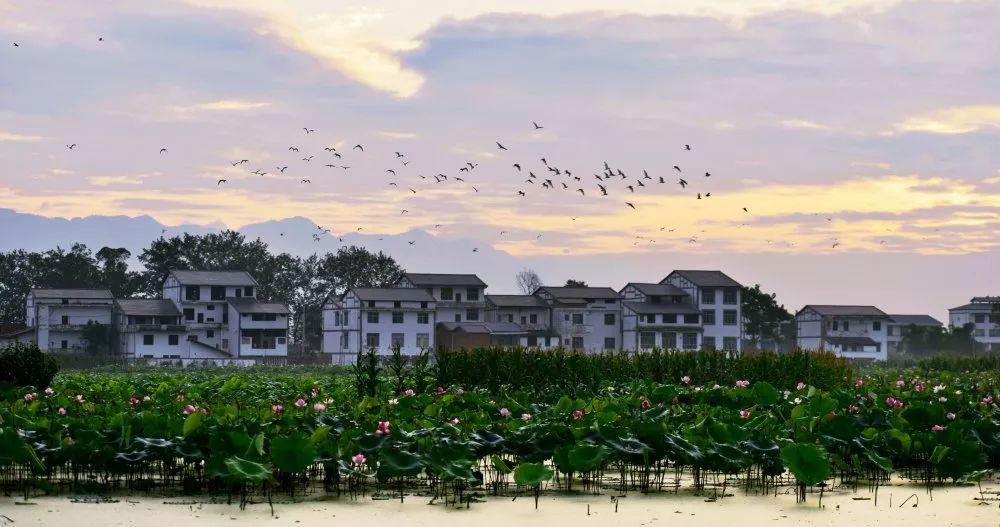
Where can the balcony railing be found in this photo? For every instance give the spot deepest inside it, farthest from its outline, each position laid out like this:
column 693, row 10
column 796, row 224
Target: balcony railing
column 155, row 327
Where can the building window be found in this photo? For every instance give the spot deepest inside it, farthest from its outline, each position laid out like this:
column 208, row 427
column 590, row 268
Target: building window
column 192, row 292
column 609, row 343
column 729, row 317
column 447, row 293
column 218, row 292
column 708, row 296
column 65, row 344
column 834, row 325
column 533, row 318
column 708, row 317
column 147, row 340
column 577, row 343
column 708, row 343
column 210, row 307
column 729, row 296
column 458, row 317
column 248, row 291
column 188, row 313
column 524, row 319
column 847, row 325
column 423, row 305
column 423, row 340
column 371, row 303
column 980, row 319
column 690, row 341
column 343, row 341
column 397, row 304
column 397, row 340
column 729, row 343
column 669, row 319
column 336, row 318
column 397, row 317
column 371, row 340
column 372, row 317
column 472, row 294
column 647, row 340
column 472, row 314
column 649, row 319
column 423, row 318
column 890, row 330
column 669, row 340
column 691, row 319
column 876, row 326
column 609, row 319
column 210, row 333
column 264, row 317
column 239, row 292
column 577, row 319
column 65, row 301
column 65, row 320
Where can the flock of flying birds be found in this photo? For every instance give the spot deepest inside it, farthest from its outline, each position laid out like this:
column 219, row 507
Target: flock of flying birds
column 550, row 177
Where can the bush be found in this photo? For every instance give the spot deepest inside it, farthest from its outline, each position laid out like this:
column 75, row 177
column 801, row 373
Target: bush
column 26, row 365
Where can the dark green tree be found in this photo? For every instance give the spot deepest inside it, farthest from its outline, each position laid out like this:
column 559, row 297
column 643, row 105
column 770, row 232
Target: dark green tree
column 115, row 275
column 931, row 340
column 575, row 283
column 762, row 316
column 97, row 337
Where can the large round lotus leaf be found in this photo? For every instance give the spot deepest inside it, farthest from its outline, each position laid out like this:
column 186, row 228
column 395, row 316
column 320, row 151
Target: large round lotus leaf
column 808, row 463
column 585, row 457
column 764, row 394
column 292, row 454
column 532, row 474
column 398, row 463
column 245, row 470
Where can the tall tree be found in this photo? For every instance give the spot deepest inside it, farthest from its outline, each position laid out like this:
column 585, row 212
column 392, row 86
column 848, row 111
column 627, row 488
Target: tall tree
column 930, row 340
column 575, row 283
column 762, row 315
column 115, row 275
column 358, row 267
column 21, row 271
column 527, row 281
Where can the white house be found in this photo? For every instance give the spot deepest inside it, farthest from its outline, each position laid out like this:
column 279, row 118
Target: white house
column 585, row 318
column 659, row 316
column 257, row 330
column 58, row 316
column 854, row 332
column 984, row 315
column 458, row 297
column 378, row 318
column 202, row 297
column 149, row 328
column 719, row 299
column 899, row 324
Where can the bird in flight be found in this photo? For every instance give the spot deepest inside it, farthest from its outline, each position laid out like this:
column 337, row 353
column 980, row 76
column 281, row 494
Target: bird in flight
column 411, row 242
column 16, row 45
column 391, row 171
column 517, row 166
column 520, row 193
column 330, row 149
column 682, row 183
column 308, row 130
column 413, row 191
column 72, row 146
column 745, row 210
column 404, row 211
column 293, row 149
column 677, row 168
column 687, row 147
column 475, row 249
column 500, row 146
column 708, row 174
column 221, row 181
column 359, row 147
column 306, row 181
column 537, row 126
column 308, row 158
column 163, row 150
column 398, row 155
column 281, row 169
column 630, row 205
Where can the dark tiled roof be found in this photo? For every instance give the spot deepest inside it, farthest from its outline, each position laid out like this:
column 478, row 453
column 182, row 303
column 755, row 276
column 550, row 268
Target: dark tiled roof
column 230, row 278
column 148, row 307
column 563, row 294
column 251, row 305
column 915, row 320
column 392, row 294
column 73, row 293
column 979, row 307
column 515, row 300
column 657, row 289
column 434, row 279
column 708, row 278
column 851, row 341
column 846, row 311
column 647, row 308
column 484, row 327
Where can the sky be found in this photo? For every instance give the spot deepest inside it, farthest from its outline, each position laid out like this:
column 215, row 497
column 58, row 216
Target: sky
column 855, row 131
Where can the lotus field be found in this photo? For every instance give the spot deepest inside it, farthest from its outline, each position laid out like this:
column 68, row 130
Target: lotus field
column 256, row 432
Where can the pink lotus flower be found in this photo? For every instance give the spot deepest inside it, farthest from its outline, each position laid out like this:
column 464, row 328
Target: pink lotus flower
column 505, row 412
column 319, row 407
column 893, row 402
column 644, row 404
column 859, row 382
column 316, row 389
column 30, row 397
column 203, row 410
column 577, row 414
column 79, row 399
column 409, row 392
column 853, row 409
column 61, row 411
column 919, row 387
column 383, row 429
column 49, row 391
column 454, row 421
column 686, row 380
column 744, row 414
column 460, row 392
column 937, row 428
column 133, row 400
column 300, row 403
column 800, row 386
column 716, row 386
column 988, row 399
column 942, row 400
column 525, row 417
column 277, row 408
column 900, row 383
column 742, row 383
column 358, row 459
column 180, row 397
column 188, row 409
column 439, row 391
column 146, row 398
column 950, row 416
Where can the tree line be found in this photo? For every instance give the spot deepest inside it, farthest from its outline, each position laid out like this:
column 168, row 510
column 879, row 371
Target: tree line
column 302, row 283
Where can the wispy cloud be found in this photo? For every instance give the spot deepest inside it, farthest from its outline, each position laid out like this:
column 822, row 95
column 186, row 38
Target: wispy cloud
column 881, row 165
column 802, row 123
column 19, row 138
column 396, row 135
column 105, row 181
column 224, row 105
column 951, row 121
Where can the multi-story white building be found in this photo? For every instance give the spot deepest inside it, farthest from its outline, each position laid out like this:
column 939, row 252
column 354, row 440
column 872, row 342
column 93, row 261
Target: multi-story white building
column 380, row 319
column 659, row 316
column 853, row 332
column 585, row 318
column 202, row 297
column 458, row 297
column 984, row 315
column 719, row 299
column 257, row 330
column 150, row 328
column 527, row 311
column 59, row 316
column 899, row 324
